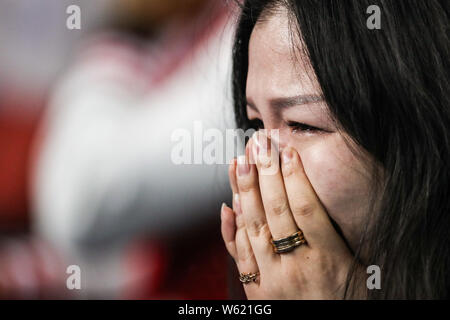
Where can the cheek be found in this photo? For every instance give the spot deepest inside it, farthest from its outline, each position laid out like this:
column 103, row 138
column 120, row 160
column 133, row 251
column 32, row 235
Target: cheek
column 339, row 180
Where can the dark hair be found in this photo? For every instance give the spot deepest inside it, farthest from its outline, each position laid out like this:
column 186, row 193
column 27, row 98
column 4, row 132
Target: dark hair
column 388, row 89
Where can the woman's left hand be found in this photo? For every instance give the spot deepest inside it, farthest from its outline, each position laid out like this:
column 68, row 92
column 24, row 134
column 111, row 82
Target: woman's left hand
column 272, row 203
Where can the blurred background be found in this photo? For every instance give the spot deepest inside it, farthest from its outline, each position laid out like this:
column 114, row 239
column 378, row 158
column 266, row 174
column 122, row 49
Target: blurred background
column 86, row 120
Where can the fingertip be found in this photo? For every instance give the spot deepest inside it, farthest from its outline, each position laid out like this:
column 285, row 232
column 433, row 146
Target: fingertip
column 296, row 155
column 251, row 152
column 232, row 175
column 290, row 158
column 224, row 209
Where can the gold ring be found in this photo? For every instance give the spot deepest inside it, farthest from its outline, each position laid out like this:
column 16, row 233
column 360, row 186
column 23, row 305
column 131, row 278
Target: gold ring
column 248, row 277
column 289, row 243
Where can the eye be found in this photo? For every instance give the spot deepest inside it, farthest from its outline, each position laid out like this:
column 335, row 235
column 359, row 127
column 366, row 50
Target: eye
column 298, row 127
column 256, row 124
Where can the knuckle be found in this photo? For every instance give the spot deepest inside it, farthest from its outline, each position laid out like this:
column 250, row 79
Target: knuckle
column 256, row 228
column 245, row 254
column 279, row 207
column 246, row 185
column 240, row 223
column 304, row 209
column 287, row 170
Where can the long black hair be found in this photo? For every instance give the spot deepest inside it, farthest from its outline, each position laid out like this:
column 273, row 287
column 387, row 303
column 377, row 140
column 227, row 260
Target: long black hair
column 388, row 89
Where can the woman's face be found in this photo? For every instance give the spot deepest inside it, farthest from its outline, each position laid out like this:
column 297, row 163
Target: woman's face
column 282, row 92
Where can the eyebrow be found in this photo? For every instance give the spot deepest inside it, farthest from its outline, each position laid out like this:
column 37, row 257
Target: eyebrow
column 288, row 102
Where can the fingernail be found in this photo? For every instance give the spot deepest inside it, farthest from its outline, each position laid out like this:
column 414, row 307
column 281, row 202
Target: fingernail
column 261, row 144
column 250, row 152
column 222, row 207
column 243, row 166
column 287, row 155
column 255, row 146
column 237, row 204
column 264, row 149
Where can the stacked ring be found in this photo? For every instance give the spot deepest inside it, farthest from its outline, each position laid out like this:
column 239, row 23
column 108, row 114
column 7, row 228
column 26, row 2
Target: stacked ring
column 289, row 243
column 248, row 277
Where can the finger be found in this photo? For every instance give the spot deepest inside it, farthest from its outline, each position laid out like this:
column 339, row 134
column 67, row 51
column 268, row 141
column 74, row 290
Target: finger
column 228, row 228
column 308, row 211
column 232, row 176
column 274, row 198
column 253, row 212
column 246, row 261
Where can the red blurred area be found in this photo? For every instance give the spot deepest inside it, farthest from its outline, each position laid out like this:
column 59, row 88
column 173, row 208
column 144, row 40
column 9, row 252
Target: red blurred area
column 193, row 267
column 158, row 269
column 19, row 116
column 29, row 267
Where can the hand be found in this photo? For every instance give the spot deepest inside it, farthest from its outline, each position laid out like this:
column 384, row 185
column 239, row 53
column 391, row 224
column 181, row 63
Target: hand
column 270, row 204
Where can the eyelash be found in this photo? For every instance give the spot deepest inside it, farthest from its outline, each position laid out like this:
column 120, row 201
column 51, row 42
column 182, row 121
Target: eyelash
column 298, row 126
column 295, row 126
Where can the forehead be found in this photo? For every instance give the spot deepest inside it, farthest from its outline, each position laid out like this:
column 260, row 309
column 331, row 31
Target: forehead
column 275, row 67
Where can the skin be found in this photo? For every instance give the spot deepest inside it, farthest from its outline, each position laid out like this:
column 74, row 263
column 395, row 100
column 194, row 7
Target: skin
column 322, row 180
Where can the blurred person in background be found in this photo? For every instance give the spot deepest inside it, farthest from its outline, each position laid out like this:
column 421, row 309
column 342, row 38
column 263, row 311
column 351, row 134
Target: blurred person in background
column 105, row 192
column 35, row 47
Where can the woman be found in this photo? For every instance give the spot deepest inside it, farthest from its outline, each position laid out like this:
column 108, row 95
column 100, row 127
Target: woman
column 361, row 119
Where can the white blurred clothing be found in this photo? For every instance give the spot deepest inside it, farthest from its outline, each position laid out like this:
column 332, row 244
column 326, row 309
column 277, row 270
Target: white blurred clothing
column 103, row 172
